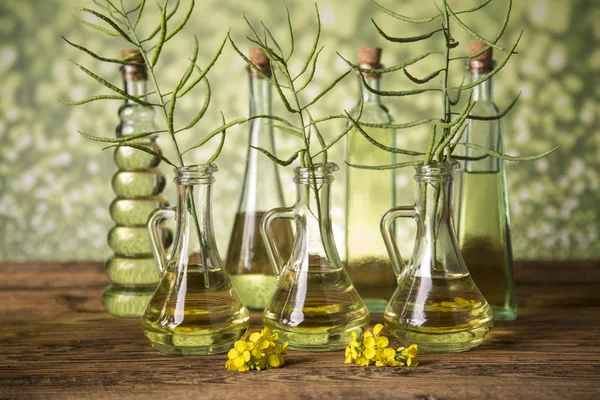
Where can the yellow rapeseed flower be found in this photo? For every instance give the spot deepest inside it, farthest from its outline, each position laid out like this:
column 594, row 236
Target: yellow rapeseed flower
column 261, row 351
column 373, row 348
column 239, row 357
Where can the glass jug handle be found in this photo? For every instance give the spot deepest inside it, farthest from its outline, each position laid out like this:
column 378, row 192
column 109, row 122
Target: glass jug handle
column 267, row 234
column 387, row 232
column 153, row 232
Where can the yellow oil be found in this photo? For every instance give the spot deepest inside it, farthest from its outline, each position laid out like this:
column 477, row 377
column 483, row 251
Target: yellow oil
column 369, row 195
column 185, row 317
column 484, row 240
column 454, row 317
column 316, row 308
column 248, row 264
column 255, row 290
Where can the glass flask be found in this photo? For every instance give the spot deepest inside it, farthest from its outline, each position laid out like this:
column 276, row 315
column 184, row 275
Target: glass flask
column 195, row 310
column 483, row 224
column 315, row 306
column 247, row 262
column 437, row 304
column 369, row 194
column 138, row 185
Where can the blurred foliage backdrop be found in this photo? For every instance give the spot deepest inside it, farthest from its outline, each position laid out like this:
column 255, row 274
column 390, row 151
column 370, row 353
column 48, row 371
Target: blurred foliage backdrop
column 55, row 186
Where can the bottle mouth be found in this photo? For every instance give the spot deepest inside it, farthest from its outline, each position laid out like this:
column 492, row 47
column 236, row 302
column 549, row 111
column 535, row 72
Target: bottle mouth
column 195, row 174
column 320, row 172
column 438, row 171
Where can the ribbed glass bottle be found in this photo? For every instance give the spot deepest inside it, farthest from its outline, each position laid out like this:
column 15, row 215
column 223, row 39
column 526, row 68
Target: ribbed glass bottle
column 137, row 184
column 483, row 216
column 247, row 263
column 369, row 194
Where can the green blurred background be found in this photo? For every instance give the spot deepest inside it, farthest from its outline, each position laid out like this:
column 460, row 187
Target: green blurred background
column 55, row 185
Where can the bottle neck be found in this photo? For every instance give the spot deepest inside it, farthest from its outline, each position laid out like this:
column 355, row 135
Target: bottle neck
column 483, row 91
column 262, row 187
column 260, row 96
column 367, row 96
column 195, row 239
column 136, row 88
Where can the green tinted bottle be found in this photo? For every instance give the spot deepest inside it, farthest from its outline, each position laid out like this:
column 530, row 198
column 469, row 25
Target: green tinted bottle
column 369, row 194
column 138, row 185
column 483, row 216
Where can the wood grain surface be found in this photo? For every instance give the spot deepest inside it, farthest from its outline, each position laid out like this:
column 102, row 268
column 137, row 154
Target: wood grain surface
column 56, row 342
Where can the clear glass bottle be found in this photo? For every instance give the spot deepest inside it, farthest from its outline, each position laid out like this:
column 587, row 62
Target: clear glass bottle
column 483, row 215
column 195, row 310
column 437, row 304
column 315, row 306
column 137, row 184
column 369, row 194
column 247, row 261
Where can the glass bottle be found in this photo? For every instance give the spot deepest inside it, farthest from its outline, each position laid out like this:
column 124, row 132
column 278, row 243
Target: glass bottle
column 247, row 261
column 437, row 304
column 369, row 194
column 195, row 310
column 483, row 216
column 315, row 306
column 138, row 185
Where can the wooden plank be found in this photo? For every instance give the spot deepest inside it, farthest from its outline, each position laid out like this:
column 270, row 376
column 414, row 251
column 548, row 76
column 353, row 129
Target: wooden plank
column 56, row 342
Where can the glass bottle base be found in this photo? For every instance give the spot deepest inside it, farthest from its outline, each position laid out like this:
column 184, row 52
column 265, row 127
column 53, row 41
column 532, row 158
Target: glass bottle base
column 376, row 306
column 196, row 343
column 441, row 340
column 127, row 302
column 318, row 339
column 504, row 314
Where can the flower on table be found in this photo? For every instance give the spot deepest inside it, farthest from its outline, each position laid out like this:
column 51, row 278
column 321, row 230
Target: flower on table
column 373, row 348
column 260, row 352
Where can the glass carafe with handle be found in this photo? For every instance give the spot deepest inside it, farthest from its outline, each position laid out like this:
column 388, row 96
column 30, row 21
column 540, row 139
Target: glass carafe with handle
column 437, row 304
column 195, row 310
column 315, row 306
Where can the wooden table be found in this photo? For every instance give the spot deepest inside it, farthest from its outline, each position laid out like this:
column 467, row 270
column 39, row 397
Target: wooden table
column 57, row 342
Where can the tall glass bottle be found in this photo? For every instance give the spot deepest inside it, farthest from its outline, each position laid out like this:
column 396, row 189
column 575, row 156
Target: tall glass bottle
column 369, row 194
column 247, row 261
column 483, row 215
column 137, row 184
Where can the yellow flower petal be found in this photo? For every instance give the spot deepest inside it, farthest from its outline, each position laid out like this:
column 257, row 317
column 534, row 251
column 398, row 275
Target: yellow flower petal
column 382, row 342
column 240, row 346
column 274, row 361
column 239, row 362
column 370, row 353
column 368, row 334
column 369, row 342
column 377, row 329
column 255, row 337
column 232, row 354
column 353, row 335
column 348, row 359
column 246, row 356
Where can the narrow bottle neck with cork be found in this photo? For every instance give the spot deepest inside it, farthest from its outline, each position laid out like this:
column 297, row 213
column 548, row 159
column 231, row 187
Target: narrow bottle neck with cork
column 479, row 67
column 260, row 88
column 369, row 58
column 135, row 75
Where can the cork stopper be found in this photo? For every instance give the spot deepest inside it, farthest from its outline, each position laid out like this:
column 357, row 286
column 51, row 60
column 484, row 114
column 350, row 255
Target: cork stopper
column 370, row 57
column 483, row 62
column 135, row 71
column 258, row 57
